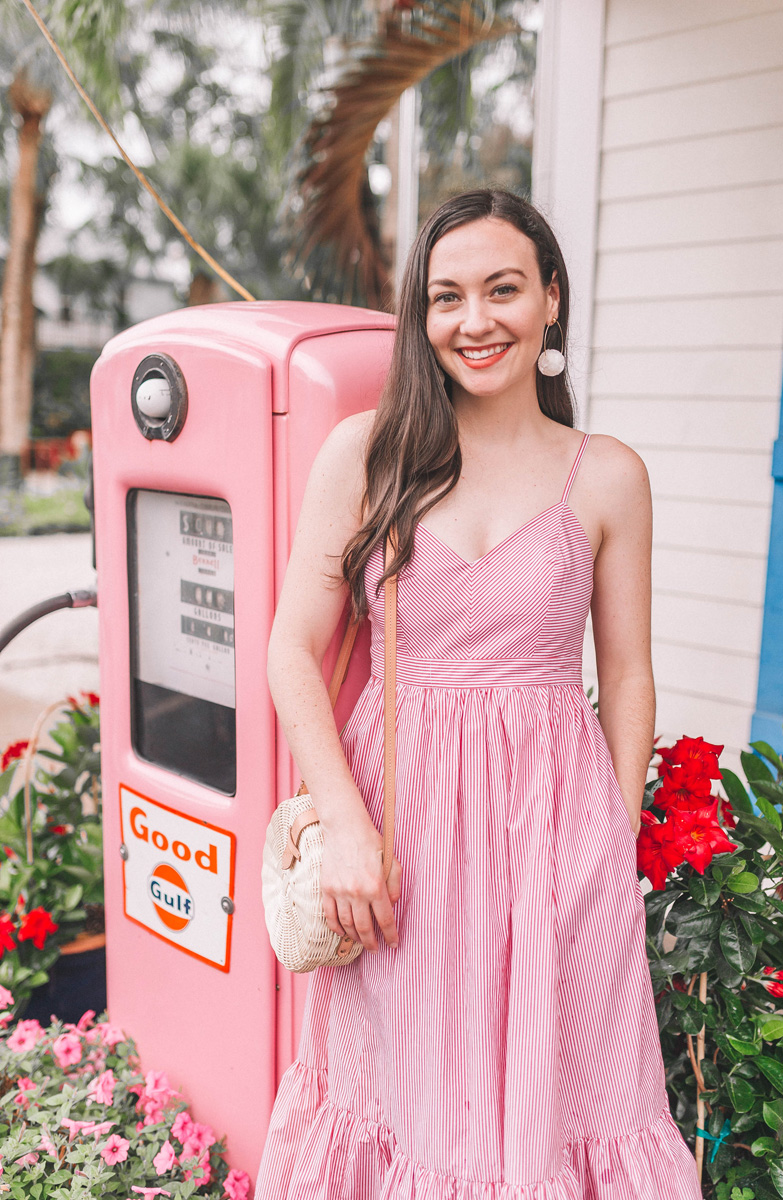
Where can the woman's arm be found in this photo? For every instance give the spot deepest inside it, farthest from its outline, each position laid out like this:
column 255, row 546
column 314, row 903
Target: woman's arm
column 311, row 602
column 620, row 608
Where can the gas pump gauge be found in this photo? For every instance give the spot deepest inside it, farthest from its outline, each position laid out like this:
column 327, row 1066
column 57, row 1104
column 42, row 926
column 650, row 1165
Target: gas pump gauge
column 183, row 703
column 159, row 398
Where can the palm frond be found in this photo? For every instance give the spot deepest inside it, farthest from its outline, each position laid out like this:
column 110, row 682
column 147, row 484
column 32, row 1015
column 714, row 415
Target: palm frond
column 329, row 213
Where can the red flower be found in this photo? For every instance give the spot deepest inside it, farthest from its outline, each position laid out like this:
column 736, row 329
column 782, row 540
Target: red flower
column 657, row 850
column 776, row 988
column 12, row 752
column 727, row 814
column 699, row 835
column 59, row 829
column 92, row 698
column 36, row 926
column 6, row 934
column 683, row 787
column 703, row 755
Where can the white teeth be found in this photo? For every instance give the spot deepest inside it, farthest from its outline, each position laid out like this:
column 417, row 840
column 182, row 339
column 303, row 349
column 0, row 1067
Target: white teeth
column 485, row 353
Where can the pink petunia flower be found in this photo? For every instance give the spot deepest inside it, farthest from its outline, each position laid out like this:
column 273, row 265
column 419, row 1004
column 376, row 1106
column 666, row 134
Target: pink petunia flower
column 75, row 1127
column 148, row 1192
column 109, row 1035
column 183, row 1123
column 28, row 1159
column 165, row 1159
column 205, row 1166
column 67, row 1049
column 115, row 1150
column 47, row 1144
column 237, row 1185
column 101, row 1090
column 25, row 1084
column 26, row 1035
column 6, row 999
column 86, row 1020
column 199, row 1138
column 103, row 1127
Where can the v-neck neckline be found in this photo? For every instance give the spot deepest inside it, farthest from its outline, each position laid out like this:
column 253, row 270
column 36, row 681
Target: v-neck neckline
column 514, row 534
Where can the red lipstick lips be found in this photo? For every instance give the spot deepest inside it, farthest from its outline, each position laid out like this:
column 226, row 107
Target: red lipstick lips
column 487, row 360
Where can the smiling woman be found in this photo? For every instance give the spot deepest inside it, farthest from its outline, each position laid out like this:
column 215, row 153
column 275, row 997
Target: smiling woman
column 500, row 1037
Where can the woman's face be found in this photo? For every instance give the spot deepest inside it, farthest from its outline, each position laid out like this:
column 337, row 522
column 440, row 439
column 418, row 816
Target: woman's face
column 486, row 306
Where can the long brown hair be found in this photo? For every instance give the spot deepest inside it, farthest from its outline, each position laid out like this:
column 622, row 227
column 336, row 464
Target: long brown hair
column 413, row 450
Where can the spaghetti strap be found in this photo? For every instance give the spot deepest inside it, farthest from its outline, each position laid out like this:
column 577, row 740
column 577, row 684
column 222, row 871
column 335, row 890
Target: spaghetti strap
column 574, row 469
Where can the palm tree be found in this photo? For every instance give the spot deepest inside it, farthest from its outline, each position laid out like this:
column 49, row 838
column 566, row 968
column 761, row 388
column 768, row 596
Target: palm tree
column 329, row 211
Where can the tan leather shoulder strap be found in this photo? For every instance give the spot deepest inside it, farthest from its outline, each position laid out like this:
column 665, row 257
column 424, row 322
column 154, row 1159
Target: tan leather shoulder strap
column 389, row 707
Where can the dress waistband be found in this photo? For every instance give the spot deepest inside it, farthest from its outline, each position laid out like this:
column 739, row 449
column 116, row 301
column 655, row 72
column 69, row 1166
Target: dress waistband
column 480, row 672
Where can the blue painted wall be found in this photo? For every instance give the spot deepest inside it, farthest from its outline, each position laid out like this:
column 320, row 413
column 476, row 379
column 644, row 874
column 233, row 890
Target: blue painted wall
column 767, row 723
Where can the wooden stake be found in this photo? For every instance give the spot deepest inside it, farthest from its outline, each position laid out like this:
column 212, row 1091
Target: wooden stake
column 699, row 1154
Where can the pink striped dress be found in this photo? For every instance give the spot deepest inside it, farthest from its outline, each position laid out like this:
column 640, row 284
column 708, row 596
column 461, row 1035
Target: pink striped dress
column 508, row 1049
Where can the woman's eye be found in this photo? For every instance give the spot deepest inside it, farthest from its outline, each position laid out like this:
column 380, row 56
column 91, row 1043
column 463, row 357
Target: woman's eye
column 506, row 289
column 445, row 298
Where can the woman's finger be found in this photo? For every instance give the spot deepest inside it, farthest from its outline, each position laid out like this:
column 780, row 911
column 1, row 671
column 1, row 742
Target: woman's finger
column 346, row 920
column 330, row 914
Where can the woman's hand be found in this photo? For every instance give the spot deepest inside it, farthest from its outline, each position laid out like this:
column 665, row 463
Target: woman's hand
column 353, row 888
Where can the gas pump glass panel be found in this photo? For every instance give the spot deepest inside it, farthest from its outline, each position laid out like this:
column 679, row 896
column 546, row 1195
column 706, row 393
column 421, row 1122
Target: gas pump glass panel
column 181, row 580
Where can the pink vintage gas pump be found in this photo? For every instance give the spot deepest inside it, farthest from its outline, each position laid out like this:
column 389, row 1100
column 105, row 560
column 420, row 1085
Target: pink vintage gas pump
column 205, row 423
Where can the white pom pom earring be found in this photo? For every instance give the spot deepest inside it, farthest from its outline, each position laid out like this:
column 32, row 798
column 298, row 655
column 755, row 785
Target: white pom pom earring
column 551, row 362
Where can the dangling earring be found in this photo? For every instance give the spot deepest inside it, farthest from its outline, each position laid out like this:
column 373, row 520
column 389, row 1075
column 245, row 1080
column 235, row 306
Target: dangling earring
column 551, row 362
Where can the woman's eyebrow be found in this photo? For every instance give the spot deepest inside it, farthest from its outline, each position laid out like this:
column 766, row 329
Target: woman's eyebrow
column 489, row 279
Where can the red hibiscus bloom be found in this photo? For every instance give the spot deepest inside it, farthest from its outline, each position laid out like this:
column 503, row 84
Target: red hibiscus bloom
column 6, row 934
column 727, row 814
column 36, row 927
column 700, row 836
column 92, row 698
column 704, row 755
column 12, row 752
column 657, row 850
column 684, row 787
column 775, row 985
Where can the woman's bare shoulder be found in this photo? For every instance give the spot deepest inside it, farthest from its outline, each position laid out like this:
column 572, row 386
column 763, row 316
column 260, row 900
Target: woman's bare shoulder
column 345, row 445
column 337, row 475
column 618, row 465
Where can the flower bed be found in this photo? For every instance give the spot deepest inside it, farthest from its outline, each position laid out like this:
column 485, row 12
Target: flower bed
column 715, row 947
column 78, row 1118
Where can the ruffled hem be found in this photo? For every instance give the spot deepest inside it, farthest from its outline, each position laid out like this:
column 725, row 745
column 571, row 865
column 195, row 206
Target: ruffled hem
column 317, row 1151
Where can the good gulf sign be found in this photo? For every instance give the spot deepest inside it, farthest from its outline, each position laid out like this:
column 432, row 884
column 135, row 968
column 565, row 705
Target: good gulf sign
column 178, row 877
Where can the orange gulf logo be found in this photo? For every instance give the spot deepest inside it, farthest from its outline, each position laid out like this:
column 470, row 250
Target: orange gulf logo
column 170, row 897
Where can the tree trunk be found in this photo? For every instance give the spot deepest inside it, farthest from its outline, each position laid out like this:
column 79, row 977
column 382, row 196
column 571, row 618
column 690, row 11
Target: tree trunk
column 18, row 325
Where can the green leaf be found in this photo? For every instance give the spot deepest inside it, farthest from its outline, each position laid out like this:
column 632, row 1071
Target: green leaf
column 776, row 1175
column 699, row 925
column 728, row 976
column 764, row 827
column 72, row 897
column 752, row 927
column 754, row 902
column 734, row 1010
column 772, row 1069
column 744, row 883
column 770, row 791
column 769, row 811
column 741, row 1094
column 767, row 751
column 771, row 1029
column 773, row 1115
column 742, row 1045
column 764, row 1145
column 755, row 768
column 737, row 947
column 735, row 790
column 705, row 891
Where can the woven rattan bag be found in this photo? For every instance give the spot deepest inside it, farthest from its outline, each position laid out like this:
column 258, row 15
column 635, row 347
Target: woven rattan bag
column 293, row 849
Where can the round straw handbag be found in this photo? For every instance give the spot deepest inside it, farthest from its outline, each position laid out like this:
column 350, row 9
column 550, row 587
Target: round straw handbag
column 293, row 849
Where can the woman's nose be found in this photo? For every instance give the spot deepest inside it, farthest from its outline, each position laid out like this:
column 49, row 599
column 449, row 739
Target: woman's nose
column 477, row 320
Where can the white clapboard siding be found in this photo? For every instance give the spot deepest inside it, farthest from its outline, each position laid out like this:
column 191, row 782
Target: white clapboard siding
column 715, row 626
column 738, row 529
column 695, row 218
column 711, row 51
column 747, row 268
column 694, row 164
column 635, row 22
column 696, row 323
column 687, row 330
column 706, row 575
column 692, row 421
column 717, row 107
column 714, row 372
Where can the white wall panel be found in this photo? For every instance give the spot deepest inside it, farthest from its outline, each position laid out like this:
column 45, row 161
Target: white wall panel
column 747, row 268
column 692, row 421
column 709, row 218
column 711, row 51
column 632, row 21
column 676, row 372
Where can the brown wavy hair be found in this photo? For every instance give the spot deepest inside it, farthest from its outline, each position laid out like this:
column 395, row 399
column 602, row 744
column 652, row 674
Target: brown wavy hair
column 413, row 457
